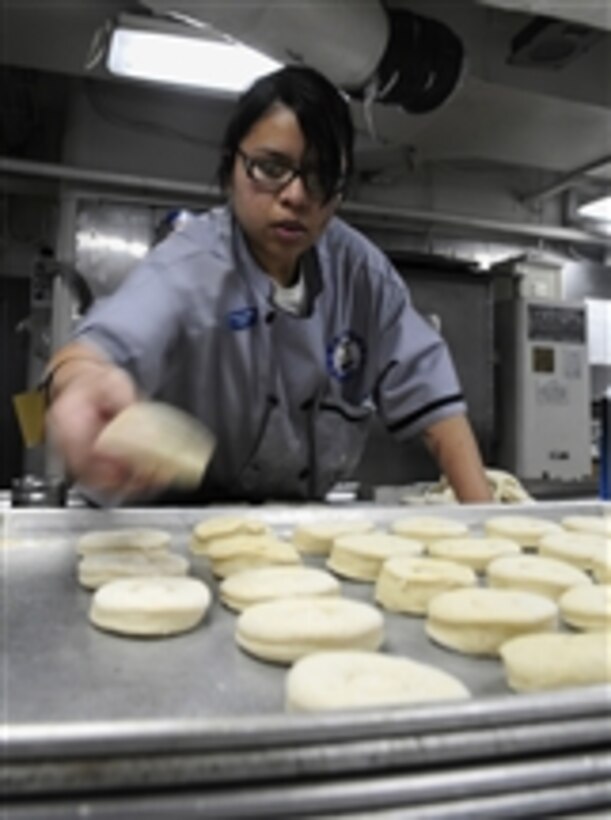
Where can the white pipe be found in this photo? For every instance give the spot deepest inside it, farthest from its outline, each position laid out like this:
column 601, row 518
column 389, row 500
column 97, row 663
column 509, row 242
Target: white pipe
column 368, row 215
column 566, row 181
column 342, row 38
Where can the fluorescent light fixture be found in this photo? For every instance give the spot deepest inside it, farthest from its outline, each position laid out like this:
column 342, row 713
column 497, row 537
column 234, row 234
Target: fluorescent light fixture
column 219, row 64
column 110, row 243
column 599, row 209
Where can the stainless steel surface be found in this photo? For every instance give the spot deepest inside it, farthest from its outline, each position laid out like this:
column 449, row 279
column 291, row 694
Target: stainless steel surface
column 90, row 713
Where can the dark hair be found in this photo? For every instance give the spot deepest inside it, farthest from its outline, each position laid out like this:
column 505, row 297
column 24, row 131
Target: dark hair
column 320, row 109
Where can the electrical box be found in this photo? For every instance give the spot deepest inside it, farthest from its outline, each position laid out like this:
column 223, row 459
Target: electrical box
column 543, row 389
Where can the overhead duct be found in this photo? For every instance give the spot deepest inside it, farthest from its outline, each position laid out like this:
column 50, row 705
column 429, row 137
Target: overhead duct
column 399, row 58
column 343, row 39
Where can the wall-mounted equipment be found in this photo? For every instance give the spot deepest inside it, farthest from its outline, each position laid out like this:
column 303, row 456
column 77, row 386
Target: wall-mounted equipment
column 543, row 389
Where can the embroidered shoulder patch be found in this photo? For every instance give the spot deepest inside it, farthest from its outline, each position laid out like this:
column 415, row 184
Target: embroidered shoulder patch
column 243, row 318
column 345, row 355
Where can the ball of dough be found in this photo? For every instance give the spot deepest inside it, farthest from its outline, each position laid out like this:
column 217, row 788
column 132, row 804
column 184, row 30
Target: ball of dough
column 133, row 538
column 224, row 526
column 360, row 556
column 587, row 608
column 594, row 524
column 556, row 661
column 348, row 680
column 527, row 530
column 428, row 528
column 255, row 586
column 475, row 552
column 230, row 555
column 317, row 537
column 577, row 548
column 101, row 567
column 478, row 621
column 153, row 607
column 287, row 629
column 532, row 573
column 409, row 584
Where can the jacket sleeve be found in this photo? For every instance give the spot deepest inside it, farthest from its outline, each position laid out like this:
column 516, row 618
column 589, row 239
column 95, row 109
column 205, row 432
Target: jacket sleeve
column 417, row 383
column 137, row 325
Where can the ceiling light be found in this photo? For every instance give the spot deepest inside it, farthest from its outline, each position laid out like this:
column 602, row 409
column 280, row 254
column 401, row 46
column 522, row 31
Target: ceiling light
column 217, row 64
column 597, row 209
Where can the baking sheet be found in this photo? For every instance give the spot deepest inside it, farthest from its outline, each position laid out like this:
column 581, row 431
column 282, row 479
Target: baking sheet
column 58, row 669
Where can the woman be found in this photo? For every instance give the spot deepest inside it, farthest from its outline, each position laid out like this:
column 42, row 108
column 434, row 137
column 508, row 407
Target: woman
column 272, row 321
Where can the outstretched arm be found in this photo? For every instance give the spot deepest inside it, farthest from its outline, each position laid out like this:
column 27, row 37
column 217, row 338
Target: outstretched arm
column 452, row 443
column 85, row 392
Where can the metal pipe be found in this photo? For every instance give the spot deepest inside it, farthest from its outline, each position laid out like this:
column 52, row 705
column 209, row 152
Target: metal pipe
column 369, row 215
column 565, row 181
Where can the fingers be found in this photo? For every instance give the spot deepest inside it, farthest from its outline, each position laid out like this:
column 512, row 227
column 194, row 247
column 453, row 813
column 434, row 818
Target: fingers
column 76, row 418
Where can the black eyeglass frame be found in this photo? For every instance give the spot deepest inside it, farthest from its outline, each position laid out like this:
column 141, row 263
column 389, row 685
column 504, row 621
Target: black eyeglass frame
column 272, row 186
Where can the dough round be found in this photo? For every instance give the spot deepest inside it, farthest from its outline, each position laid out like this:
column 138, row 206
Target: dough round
column 224, row 526
column 601, row 562
column 428, row 528
column 532, row 573
column 556, row 661
column 348, row 679
column 134, row 538
column 101, row 567
column 594, row 524
column 360, row 556
column 255, row 586
column 527, row 530
column 317, row 537
column 284, row 630
column 577, row 548
column 230, row 555
column 478, row 621
column 476, row 551
column 161, row 440
column 587, row 608
column 409, row 584
column 149, row 606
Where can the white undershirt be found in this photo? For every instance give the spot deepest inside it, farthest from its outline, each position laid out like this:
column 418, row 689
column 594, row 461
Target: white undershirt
column 291, row 299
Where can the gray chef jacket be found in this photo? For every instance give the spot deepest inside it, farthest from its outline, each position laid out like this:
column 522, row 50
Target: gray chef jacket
column 290, row 398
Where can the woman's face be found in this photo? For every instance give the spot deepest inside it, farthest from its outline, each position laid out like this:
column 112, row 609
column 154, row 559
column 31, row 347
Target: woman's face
column 279, row 225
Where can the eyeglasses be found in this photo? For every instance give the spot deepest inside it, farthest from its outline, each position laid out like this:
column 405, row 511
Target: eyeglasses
column 272, row 173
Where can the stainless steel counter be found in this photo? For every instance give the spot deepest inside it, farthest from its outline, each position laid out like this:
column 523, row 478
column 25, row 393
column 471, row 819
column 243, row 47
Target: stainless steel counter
column 99, row 722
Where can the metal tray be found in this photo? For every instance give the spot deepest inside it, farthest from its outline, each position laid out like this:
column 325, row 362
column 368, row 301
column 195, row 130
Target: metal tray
column 196, row 709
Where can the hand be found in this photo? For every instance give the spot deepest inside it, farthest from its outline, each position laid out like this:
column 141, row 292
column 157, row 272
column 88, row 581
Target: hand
column 91, row 394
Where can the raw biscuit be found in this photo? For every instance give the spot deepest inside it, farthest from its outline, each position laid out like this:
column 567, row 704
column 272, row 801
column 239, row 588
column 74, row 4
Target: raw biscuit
column 99, row 568
column 580, row 549
column 428, row 528
column 475, row 551
column 533, row 573
column 129, row 538
column 587, row 608
column 409, row 584
column 287, row 629
column 351, row 679
column 224, row 526
column 594, row 524
column 255, row 586
column 153, row 607
column 316, row 537
column 161, row 441
column 360, row 556
column 478, row 621
column 230, row 555
column 556, row 661
column 527, row 530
